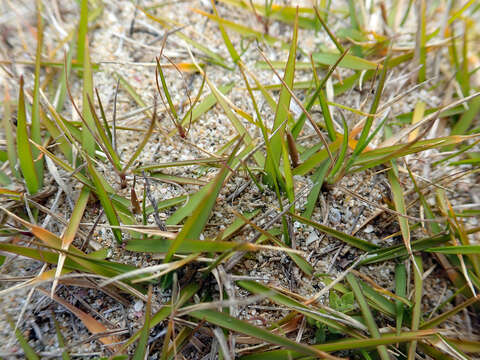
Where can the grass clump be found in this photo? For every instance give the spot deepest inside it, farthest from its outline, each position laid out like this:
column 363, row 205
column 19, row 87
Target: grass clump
column 272, row 178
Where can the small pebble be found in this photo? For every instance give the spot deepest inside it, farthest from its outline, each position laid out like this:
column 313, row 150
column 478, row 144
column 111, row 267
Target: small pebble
column 138, row 305
column 334, row 215
column 311, row 238
column 368, row 229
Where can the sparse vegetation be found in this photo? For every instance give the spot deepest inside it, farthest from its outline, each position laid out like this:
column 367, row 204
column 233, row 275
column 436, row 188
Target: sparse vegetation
column 345, row 132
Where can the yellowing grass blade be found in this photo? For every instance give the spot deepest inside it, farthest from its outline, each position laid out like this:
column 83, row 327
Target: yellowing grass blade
column 94, row 326
column 399, row 201
column 416, row 117
column 70, row 231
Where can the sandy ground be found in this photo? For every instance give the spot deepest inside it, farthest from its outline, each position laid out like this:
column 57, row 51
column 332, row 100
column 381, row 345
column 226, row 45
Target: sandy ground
column 118, row 50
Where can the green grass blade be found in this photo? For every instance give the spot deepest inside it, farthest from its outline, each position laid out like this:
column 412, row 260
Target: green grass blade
column 61, row 93
column 106, row 127
column 282, row 109
column 349, row 239
column 458, row 249
column 230, row 323
column 241, row 29
column 103, row 139
column 185, row 294
column 213, row 56
column 327, row 116
column 237, row 124
column 237, row 224
column 362, row 141
column 29, row 353
column 142, row 145
column 165, row 90
column 466, row 120
column 343, row 151
column 105, row 201
column 348, row 62
column 285, row 14
column 228, row 43
column 212, row 161
column 60, row 339
column 367, row 315
column 399, row 251
column 82, row 32
column 196, row 222
column 287, row 170
column 131, row 91
column 71, row 230
column 340, row 345
column 283, row 300
column 88, row 141
column 400, row 290
column 297, row 128
column 420, row 47
column 24, row 150
column 329, row 32
column 141, row 350
column 35, row 125
column 312, row 197
column 177, row 179
column 417, row 307
column 206, row 104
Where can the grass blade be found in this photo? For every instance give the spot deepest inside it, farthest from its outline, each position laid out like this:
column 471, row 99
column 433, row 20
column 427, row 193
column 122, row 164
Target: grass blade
column 284, row 300
column 346, row 344
column 341, row 156
column 82, row 31
column 144, row 142
column 367, row 315
column 400, row 290
column 297, row 128
column 227, row 322
column 88, row 141
column 399, row 201
column 448, row 314
column 105, row 200
column 317, row 179
column 420, row 46
column 60, row 339
column 24, row 150
column 141, row 350
column 35, row 125
column 348, row 62
column 186, row 293
column 228, row 43
column 94, row 326
column 283, row 108
column 362, row 141
column 196, row 222
column 29, row 353
column 349, row 239
column 417, row 307
column 71, row 230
